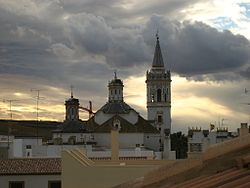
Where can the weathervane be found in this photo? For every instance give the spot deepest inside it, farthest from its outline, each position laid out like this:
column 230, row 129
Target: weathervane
column 71, row 90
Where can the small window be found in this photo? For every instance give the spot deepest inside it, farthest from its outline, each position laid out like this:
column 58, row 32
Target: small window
column 152, row 98
column 115, row 91
column 158, row 95
column 54, row 184
column 28, row 146
column 159, row 119
column 16, row 184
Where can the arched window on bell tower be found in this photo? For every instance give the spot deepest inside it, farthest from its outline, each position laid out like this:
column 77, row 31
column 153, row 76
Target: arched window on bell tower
column 158, row 95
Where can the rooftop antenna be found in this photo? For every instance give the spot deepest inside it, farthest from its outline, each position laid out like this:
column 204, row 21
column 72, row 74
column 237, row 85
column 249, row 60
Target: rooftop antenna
column 10, row 106
column 38, row 97
column 10, row 112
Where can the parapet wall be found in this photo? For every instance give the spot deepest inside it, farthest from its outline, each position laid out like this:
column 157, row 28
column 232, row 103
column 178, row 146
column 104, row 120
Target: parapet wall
column 226, row 147
column 169, row 170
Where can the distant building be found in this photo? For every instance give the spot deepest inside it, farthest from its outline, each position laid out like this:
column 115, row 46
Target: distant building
column 200, row 140
column 152, row 134
column 135, row 133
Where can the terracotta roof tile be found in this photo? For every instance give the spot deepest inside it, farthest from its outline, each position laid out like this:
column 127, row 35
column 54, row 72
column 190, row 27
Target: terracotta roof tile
column 30, row 166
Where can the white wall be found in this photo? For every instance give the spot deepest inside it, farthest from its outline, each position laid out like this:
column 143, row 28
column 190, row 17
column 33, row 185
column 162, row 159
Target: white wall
column 40, row 150
column 126, row 140
column 151, row 141
column 30, row 181
column 212, row 138
column 80, row 137
column 131, row 117
column 17, row 148
column 122, row 153
column 53, row 150
column 101, row 117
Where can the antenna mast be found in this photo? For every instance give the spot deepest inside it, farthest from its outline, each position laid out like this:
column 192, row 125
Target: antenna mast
column 37, row 108
column 10, row 111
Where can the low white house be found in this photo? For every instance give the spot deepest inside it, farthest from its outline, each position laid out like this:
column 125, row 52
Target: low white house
column 199, row 140
column 30, row 173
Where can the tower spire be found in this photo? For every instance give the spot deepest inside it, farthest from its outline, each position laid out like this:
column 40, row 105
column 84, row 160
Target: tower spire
column 158, row 60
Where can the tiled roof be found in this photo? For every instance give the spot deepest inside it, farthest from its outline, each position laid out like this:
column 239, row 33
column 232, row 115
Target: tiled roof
column 229, row 178
column 142, row 126
column 30, row 166
column 222, row 168
column 116, row 108
column 72, row 127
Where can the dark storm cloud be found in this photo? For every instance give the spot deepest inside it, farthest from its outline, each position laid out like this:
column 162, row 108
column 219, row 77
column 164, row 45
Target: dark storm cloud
column 119, row 13
column 198, row 51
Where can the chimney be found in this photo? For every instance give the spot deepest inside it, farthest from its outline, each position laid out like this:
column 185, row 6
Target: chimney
column 115, row 140
column 244, row 130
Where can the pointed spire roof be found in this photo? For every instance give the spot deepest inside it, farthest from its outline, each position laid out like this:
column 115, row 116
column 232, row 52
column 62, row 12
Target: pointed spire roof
column 158, row 60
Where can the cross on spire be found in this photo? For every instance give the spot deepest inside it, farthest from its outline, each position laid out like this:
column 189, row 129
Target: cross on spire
column 71, row 90
column 115, row 74
column 157, row 34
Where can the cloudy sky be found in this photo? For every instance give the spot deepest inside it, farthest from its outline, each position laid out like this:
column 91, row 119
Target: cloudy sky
column 49, row 45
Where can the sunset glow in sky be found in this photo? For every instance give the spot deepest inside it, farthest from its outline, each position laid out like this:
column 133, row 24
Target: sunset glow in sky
column 51, row 44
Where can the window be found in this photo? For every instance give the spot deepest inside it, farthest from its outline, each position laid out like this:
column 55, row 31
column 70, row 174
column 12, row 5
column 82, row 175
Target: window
column 16, row 184
column 152, row 98
column 54, row 184
column 195, row 147
column 158, row 95
column 159, row 119
column 115, row 91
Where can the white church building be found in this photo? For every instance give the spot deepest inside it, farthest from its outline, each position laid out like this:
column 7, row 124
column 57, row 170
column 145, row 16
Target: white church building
column 137, row 137
column 134, row 131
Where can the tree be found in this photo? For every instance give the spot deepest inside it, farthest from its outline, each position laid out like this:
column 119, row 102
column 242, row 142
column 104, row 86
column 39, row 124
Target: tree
column 179, row 144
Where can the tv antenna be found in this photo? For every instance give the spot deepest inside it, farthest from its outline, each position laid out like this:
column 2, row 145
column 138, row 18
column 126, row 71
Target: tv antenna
column 10, row 105
column 38, row 98
column 10, row 112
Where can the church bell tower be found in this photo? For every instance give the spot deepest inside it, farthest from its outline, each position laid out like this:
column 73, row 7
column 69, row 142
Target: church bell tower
column 158, row 81
column 72, row 108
